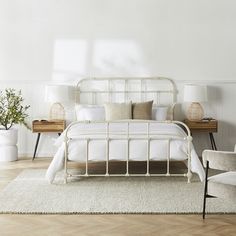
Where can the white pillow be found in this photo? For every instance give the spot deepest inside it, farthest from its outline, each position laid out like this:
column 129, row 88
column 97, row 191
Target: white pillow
column 90, row 112
column 160, row 113
column 118, row 111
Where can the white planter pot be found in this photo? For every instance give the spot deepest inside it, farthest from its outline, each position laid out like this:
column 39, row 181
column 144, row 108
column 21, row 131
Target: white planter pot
column 8, row 148
column 8, row 137
column 8, row 153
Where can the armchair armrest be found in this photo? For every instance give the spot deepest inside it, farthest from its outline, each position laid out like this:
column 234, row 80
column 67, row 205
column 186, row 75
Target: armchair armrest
column 220, row 160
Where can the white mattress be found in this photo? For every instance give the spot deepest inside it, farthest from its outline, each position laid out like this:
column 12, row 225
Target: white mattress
column 118, row 147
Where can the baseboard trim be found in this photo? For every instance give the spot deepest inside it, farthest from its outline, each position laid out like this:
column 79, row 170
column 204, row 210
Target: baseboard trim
column 30, row 155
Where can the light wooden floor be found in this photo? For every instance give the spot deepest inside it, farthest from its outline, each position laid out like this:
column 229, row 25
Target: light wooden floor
column 105, row 224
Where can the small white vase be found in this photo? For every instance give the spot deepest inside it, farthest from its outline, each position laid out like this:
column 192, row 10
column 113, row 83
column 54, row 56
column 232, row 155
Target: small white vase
column 8, row 145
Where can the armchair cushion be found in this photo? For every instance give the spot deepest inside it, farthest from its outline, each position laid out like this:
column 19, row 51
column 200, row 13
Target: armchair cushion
column 224, row 178
column 223, row 185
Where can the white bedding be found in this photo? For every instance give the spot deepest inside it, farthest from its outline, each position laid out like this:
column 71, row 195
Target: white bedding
column 118, row 147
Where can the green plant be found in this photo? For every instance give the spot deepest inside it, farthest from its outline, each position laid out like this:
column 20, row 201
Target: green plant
column 12, row 110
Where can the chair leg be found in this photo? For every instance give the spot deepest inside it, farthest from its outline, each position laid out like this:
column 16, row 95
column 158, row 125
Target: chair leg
column 205, row 192
column 204, row 205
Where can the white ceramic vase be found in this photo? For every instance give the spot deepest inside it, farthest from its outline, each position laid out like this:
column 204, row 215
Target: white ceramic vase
column 8, row 145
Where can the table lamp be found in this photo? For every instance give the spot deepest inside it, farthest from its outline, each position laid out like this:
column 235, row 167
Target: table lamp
column 195, row 94
column 56, row 94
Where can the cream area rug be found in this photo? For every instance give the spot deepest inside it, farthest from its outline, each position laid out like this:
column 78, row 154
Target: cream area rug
column 31, row 193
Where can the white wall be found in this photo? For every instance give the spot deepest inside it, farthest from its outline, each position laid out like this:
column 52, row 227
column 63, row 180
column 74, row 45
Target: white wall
column 61, row 41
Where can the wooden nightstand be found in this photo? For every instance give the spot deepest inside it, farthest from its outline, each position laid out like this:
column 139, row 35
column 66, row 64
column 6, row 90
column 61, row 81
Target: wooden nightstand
column 208, row 126
column 45, row 126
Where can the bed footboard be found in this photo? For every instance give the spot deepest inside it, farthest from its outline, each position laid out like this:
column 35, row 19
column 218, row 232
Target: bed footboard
column 108, row 136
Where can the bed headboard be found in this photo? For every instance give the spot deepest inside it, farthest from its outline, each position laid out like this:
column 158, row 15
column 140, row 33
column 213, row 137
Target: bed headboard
column 122, row 89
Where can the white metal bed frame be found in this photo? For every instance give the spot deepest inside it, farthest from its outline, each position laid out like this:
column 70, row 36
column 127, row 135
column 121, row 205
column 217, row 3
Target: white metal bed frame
column 108, row 136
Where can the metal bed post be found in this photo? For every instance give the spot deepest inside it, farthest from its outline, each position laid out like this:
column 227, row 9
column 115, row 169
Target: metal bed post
column 66, row 158
column 148, row 149
column 87, row 155
column 107, row 149
column 168, row 158
column 110, row 90
column 94, row 97
column 141, row 92
column 145, row 86
column 189, row 174
column 126, row 90
column 128, row 146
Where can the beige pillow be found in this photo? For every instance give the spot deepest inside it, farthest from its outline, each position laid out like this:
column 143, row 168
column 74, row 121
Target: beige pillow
column 118, row 111
column 142, row 110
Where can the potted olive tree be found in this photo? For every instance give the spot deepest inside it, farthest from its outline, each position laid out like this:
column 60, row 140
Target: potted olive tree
column 12, row 112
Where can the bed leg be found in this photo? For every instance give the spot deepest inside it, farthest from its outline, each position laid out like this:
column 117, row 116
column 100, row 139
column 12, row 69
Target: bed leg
column 65, row 161
column 189, row 139
column 65, row 179
column 189, row 176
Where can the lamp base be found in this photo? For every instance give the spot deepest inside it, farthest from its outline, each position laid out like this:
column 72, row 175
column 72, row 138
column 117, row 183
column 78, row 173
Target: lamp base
column 57, row 112
column 195, row 112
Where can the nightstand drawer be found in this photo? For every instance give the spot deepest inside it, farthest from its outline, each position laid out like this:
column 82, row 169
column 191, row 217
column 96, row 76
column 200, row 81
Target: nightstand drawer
column 201, row 126
column 48, row 126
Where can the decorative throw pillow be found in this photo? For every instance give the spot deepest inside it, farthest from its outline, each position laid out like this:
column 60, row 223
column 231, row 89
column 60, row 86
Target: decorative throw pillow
column 142, row 110
column 118, row 111
column 90, row 112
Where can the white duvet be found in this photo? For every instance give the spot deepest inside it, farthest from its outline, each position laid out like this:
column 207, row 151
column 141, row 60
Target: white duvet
column 118, row 147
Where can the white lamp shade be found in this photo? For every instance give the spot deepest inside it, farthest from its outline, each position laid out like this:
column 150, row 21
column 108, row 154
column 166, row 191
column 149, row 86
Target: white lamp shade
column 57, row 93
column 195, row 93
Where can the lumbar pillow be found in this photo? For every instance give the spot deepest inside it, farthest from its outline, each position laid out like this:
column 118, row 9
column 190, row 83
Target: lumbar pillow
column 118, row 111
column 142, row 110
column 90, row 113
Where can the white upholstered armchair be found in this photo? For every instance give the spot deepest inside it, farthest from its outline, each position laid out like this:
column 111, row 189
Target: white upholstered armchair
column 221, row 185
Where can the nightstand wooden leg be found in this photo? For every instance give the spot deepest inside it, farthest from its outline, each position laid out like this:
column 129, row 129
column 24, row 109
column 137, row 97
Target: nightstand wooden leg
column 36, row 145
column 213, row 143
column 212, row 146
